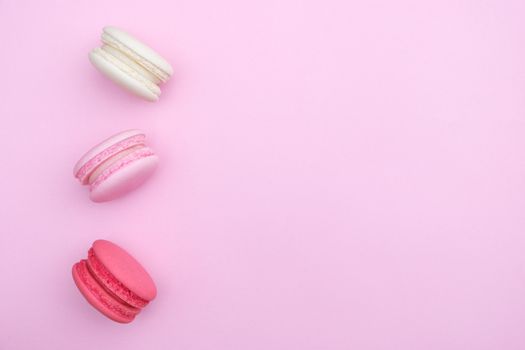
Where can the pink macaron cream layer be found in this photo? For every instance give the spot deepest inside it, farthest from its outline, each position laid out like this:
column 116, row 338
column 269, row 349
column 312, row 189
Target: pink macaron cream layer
column 116, row 166
column 114, row 282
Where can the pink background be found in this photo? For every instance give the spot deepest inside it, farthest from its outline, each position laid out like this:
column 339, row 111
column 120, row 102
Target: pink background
column 335, row 174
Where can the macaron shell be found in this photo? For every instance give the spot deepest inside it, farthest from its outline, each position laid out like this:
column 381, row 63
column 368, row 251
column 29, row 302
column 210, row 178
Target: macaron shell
column 137, row 170
column 122, row 78
column 99, row 298
column 139, row 48
column 125, row 268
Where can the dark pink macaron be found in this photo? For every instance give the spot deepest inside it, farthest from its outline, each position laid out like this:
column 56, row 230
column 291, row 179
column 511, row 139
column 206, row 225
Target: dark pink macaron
column 116, row 166
column 114, row 282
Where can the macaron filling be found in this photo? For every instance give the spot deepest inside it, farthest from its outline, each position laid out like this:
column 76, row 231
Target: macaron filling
column 105, row 165
column 123, row 310
column 84, row 173
column 132, row 70
column 106, row 279
column 129, row 62
column 139, row 153
column 108, row 39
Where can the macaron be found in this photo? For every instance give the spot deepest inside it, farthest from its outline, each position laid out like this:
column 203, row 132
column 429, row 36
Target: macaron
column 130, row 63
column 113, row 282
column 116, row 166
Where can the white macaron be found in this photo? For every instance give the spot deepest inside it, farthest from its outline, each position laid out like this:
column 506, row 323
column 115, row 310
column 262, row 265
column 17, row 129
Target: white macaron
column 130, row 63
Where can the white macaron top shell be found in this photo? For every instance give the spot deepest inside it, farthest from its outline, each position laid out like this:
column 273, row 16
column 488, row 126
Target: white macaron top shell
column 146, row 56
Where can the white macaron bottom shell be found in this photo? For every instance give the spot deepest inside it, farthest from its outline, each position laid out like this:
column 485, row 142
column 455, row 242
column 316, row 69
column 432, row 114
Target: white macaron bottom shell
column 121, row 78
column 125, row 179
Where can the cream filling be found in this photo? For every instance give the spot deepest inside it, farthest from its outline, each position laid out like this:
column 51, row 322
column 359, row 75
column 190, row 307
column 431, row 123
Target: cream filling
column 109, row 40
column 118, row 54
column 127, row 69
column 110, row 161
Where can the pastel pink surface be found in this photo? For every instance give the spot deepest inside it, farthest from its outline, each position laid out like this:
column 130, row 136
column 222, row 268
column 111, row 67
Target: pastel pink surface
column 125, row 269
column 335, row 174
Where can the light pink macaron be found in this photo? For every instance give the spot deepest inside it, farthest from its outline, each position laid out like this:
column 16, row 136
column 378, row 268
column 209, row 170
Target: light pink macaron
column 116, row 166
